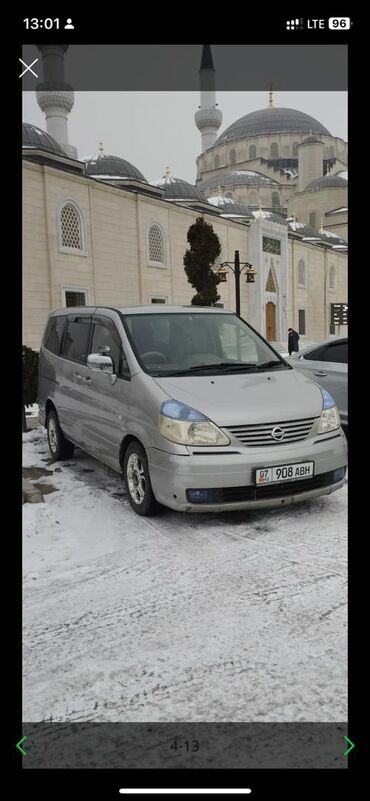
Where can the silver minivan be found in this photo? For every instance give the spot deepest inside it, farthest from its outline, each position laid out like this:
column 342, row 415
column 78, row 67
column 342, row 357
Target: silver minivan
column 191, row 405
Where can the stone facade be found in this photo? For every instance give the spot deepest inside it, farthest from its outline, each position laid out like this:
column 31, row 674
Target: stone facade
column 113, row 267
column 243, row 151
column 318, row 202
column 324, row 282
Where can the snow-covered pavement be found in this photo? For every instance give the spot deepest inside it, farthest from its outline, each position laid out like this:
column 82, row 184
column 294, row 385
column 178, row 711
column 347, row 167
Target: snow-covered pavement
column 230, row 617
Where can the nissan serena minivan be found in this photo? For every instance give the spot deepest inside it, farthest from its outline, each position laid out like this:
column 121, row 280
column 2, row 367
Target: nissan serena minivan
column 191, row 405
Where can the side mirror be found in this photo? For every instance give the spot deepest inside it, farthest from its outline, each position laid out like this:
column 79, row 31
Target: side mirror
column 99, row 363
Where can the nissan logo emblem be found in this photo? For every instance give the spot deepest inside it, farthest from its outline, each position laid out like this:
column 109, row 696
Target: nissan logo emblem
column 277, row 433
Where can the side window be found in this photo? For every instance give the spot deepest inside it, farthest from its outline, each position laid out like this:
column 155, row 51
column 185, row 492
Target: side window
column 54, row 334
column 76, row 339
column 337, row 352
column 106, row 340
column 317, row 355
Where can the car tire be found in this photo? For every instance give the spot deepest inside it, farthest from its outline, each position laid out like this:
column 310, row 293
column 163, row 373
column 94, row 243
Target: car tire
column 137, row 480
column 59, row 446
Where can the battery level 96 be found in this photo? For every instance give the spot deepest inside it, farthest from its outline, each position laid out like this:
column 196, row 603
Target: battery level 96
column 339, row 23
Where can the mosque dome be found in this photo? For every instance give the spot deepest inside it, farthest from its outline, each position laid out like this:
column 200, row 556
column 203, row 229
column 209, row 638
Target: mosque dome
column 238, row 178
column 311, row 140
column 230, row 207
column 327, row 180
column 35, row 138
column 112, row 167
column 272, row 121
column 178, row 189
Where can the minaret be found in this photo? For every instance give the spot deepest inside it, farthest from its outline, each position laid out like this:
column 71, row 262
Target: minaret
column 208, row 118
column 54, row 96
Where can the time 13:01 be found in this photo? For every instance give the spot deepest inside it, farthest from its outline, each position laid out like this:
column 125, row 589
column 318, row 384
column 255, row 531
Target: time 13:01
column 47, row 23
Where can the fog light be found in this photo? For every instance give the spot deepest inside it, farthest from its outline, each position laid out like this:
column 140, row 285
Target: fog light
column 339, row 474
column 199, row 495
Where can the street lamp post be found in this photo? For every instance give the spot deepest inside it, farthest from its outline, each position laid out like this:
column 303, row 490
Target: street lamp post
column 237, row 268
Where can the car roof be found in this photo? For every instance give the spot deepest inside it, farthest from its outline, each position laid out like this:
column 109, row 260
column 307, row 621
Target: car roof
column 161, row 308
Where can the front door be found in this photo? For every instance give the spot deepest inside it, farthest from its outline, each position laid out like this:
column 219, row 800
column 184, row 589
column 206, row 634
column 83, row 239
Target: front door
column 107, row 403
column 270, row 322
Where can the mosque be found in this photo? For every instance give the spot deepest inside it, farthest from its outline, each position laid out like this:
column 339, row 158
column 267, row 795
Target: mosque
column 273, row 185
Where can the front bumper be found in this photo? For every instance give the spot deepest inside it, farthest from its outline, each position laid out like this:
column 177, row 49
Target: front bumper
column 231, row 469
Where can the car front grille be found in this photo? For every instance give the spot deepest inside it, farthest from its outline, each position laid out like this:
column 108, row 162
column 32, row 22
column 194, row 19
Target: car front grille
column 261, row 434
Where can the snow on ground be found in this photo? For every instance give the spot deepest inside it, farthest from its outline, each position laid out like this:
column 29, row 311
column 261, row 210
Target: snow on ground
column 32, row 410
column 229, row 617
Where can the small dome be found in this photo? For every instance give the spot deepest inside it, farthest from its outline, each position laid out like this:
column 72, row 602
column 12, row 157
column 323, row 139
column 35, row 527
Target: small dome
column 238, row 178
column 304, row 230
column 273, row 216
column 325, row 181
column 311, row 140
column 314, row 235
column 270, row 121
column 335, row 240
column 37, row 139
column 111, row 167
column 230, row 207
column 178, row 189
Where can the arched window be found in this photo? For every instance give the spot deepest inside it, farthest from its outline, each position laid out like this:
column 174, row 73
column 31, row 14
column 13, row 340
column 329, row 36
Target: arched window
column 295, row 148
column 252, row 152
column 301, row 273
column 156, row 244
column 217, row 161
column 228, row 194
column 274, row 150
column 252, row 198
column 332, row 277
column 232, row 156
column 312, row 219
column 332, row 151
column 71, row 230
column 275, row 199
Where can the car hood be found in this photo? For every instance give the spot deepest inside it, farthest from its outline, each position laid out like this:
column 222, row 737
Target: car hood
column 273, row 396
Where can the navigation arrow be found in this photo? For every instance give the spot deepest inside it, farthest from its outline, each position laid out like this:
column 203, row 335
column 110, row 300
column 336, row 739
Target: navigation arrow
column 352, row 745
column 18, row 745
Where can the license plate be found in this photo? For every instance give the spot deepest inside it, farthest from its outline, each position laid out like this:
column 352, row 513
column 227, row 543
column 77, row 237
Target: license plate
column 284, row 472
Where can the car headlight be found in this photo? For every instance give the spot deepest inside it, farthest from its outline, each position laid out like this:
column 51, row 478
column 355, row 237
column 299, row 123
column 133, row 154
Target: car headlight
column 329, row 419
column 186, row 426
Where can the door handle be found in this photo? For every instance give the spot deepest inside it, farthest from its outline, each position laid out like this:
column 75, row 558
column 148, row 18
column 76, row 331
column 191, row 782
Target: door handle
column 87, row 380
column 77, row 377
column 320, row 373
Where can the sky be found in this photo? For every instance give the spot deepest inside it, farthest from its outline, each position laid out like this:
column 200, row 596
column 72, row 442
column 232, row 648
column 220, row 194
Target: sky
column 156, row 130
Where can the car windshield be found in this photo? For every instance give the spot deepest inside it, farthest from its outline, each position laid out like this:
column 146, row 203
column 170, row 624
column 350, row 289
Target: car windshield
column 187, row 343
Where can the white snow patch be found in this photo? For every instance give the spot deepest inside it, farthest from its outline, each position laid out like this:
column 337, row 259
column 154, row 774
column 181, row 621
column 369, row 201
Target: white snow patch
column 180, row 617
column 32, row 410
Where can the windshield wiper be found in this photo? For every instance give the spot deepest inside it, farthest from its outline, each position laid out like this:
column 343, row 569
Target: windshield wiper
column 272, row 363
column 224, row 366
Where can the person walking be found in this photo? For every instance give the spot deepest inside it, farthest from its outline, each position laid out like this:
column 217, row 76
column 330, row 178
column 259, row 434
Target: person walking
column 293, row 338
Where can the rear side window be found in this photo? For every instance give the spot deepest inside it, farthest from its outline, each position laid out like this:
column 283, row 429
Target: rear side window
column 337, row 352
column 54, row 334
column 317, row 355
column 76, row 340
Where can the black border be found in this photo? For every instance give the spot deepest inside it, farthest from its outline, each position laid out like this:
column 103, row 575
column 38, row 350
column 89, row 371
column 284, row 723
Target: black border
column 287, row 784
